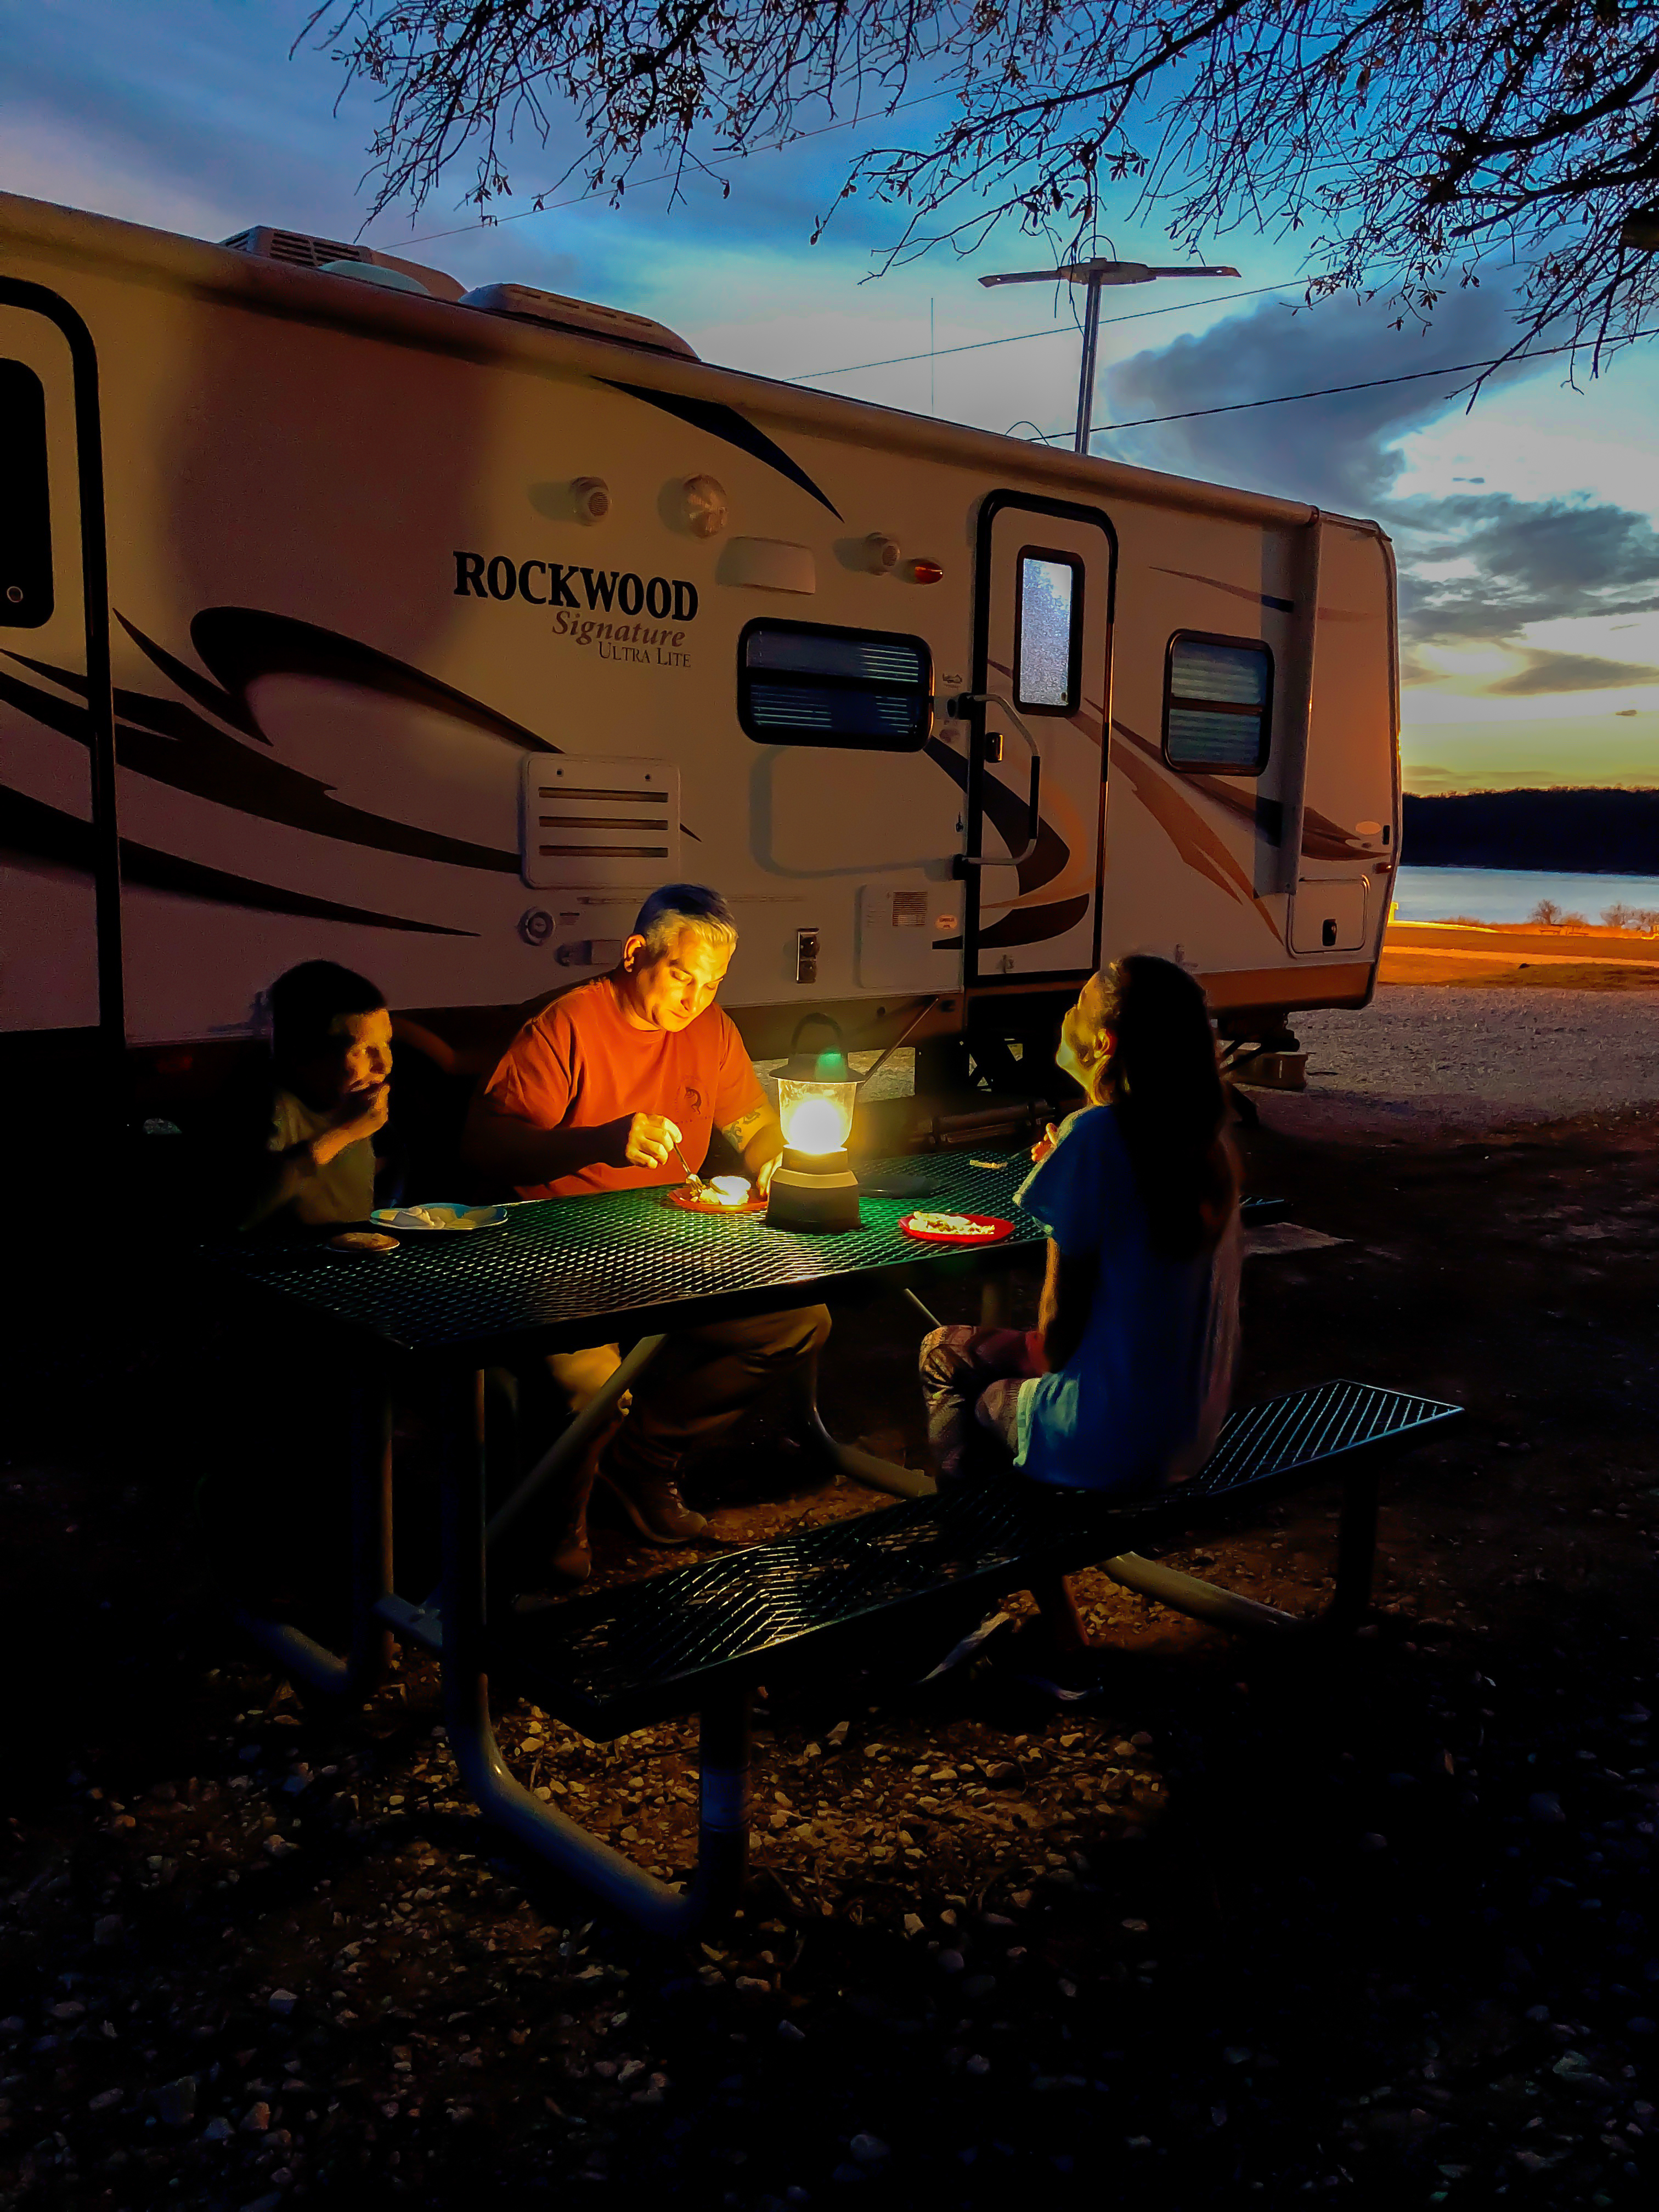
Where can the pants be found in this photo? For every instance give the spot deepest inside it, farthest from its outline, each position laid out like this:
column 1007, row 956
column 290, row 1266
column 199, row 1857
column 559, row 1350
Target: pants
column 970, row 1379
column 699, row 1385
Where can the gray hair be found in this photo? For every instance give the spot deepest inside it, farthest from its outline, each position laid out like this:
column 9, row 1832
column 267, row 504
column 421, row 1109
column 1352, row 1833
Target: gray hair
column 684, row 906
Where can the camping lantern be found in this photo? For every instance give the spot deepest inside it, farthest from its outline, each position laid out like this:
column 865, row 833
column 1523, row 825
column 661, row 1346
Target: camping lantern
column 813, row 1185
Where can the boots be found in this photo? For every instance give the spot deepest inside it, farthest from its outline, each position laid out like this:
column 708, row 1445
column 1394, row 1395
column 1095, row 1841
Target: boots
column 571, row 1561
column 652, row 1503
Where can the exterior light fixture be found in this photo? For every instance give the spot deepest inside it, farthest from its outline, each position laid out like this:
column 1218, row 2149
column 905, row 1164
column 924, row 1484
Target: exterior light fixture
column 707, row 508
column 925, row 572
column 591, row 496
column 1096, row 274
column 813, row 1187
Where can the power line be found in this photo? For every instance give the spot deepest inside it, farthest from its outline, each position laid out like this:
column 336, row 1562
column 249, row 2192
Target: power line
column 1054, row 330
column 1327, row 390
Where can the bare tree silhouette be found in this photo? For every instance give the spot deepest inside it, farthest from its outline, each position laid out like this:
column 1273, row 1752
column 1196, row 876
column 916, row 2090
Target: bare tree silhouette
column 1406, row 143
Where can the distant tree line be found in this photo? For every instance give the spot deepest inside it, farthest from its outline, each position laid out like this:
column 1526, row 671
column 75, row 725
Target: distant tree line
column 1599, row 832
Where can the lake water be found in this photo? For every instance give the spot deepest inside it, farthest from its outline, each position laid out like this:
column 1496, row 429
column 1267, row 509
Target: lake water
column 1510, row 894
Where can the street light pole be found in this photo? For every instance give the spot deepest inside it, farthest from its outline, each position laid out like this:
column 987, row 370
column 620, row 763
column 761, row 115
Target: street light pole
column 1096, row 274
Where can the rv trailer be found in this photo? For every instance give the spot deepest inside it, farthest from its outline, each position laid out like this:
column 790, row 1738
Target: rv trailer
column 345, row 613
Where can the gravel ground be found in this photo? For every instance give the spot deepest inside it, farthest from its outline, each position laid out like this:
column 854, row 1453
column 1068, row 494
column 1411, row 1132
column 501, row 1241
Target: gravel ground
column 1423, row 1058
column 1374, row 1930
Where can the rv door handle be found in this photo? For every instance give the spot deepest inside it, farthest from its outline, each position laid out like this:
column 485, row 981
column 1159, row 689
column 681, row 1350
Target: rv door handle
column 959, row 709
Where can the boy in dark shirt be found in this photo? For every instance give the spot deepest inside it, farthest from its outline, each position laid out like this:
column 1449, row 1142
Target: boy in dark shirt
column 331, row 1061
column 298, row 1158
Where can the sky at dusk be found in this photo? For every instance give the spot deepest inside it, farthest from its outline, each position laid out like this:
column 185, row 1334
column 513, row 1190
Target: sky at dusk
column 1527, row 530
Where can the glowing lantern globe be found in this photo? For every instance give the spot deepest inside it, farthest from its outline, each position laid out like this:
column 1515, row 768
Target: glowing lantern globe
column 814, row 1186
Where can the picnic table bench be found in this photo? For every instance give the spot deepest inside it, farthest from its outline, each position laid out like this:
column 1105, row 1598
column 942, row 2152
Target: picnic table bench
column 698, row 1638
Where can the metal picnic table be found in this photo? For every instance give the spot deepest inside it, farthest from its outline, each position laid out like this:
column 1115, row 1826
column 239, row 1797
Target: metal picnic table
column 560, row 1275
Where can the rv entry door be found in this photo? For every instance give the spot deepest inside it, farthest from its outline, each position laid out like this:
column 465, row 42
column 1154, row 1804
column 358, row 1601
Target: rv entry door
column 59, row 875
column 1037, row 716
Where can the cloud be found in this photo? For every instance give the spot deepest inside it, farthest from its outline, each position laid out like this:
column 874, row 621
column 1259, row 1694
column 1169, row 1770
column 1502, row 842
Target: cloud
column 1337, row 452
column 1524, row 560
column 1571, row 671
column 1477, row 567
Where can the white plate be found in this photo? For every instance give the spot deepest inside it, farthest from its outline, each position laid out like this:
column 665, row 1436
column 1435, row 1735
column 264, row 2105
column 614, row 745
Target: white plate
column 449, row 1219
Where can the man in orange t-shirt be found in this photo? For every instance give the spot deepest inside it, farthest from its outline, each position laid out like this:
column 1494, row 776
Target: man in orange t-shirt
column 619, row 1084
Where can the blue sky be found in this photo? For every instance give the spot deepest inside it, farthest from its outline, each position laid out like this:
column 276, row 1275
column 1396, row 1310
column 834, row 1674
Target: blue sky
column 1528, row 531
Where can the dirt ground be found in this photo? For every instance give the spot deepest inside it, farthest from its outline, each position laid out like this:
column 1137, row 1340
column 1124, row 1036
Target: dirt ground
column 1374, row 1923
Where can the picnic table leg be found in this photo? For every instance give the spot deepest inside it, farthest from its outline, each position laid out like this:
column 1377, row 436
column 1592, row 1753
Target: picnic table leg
column 722, row 1829
column 1189, row 1594
column 370, row 1656
column 849, row 1459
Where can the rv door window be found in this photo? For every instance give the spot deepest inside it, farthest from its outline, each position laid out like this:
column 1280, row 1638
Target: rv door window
column 1049, row 632
column 25, row 509
column 1217, row 704
column 807, row 684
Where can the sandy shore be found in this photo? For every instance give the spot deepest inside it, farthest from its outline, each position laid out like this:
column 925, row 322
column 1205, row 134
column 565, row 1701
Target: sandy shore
column 1519, row 956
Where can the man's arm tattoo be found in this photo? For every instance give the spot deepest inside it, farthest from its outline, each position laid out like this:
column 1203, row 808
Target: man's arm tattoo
column 736, row 1133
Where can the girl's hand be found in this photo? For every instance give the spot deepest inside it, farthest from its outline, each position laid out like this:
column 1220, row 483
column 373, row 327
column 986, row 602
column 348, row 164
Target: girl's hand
column 1044, row 1145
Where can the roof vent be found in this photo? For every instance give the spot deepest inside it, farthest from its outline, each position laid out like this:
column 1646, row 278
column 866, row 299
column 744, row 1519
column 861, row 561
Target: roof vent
column 523, row 303
column 295, row 250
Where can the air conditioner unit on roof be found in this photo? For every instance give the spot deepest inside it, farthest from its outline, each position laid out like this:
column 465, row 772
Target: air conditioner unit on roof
column 523, row 303
column 295, row 249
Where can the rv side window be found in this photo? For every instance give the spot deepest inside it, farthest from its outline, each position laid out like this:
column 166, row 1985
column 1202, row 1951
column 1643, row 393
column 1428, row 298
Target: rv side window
column 25, row 512
column 807, row 684
column 1217, row 704
column 1049, row 632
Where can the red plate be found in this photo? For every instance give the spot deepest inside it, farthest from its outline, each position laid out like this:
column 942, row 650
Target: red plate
column 687, row 1201
column 998, row 1230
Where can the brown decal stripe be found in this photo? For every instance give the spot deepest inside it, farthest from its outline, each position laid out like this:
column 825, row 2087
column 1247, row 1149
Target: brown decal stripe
column 1233, row 590
column 1008, row 813
column 170, row 744
column 724, row 422
column 1182, row 823
column 40, row 832
column 1031, row 924
column 241, row 644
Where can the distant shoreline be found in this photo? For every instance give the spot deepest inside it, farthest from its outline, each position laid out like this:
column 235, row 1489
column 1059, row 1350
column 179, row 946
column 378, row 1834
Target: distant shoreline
column 1587, row 832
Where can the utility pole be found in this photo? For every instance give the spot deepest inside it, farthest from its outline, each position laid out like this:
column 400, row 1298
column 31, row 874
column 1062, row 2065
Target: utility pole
column 1096, row 274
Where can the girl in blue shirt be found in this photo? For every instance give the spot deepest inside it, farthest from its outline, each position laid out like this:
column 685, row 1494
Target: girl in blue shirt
column 1125, row 1382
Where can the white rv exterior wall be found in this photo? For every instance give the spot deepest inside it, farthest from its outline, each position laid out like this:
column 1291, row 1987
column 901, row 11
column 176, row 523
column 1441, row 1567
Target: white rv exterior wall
column 312, row 451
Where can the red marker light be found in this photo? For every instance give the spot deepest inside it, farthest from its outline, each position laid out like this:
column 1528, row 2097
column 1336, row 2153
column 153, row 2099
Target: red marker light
column 925, row 572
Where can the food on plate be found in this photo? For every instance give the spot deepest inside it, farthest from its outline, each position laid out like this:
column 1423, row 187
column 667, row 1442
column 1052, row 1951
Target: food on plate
column 726, row 1190
column 419, row 1217
column 950, row 1224
column 362, row 1240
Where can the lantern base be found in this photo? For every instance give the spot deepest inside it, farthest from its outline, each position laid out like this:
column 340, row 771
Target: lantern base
column 814, row 1191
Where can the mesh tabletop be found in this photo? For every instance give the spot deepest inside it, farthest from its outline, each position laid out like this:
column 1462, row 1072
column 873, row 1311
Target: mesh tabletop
column 655, row 1647
column 625, row 1256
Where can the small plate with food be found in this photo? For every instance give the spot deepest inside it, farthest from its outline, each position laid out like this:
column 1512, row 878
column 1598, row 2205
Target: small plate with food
column 955, row 1228
column 444, row 1219
column 721, row 1194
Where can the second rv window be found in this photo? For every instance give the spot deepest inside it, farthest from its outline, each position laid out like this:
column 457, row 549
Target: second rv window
column 1217, row 704
column 1049, row 632
column 807, row 684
